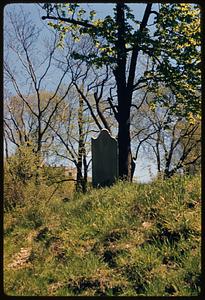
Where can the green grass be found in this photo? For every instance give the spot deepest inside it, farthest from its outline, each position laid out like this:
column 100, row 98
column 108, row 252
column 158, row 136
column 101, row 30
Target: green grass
column 127, row 240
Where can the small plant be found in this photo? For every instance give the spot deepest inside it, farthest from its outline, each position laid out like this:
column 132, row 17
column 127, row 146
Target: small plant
column 33, row 218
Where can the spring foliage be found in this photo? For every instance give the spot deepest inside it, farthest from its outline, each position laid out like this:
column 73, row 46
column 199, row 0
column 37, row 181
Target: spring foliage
column 173, row 45
column 177, row 46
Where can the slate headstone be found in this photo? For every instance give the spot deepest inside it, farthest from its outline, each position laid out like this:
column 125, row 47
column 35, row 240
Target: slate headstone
column 104, row 159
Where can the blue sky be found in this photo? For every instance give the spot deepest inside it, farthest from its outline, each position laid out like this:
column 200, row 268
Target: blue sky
column 145, row 168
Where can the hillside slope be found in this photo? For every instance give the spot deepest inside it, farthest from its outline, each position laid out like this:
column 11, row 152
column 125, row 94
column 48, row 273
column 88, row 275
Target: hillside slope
column 131, row 239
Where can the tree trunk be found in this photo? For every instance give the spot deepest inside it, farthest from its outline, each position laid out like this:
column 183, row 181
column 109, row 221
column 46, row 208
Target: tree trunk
column 125, row 90
column 124, row 99
column 81, row 184
column 85, row 176
column 124, row 150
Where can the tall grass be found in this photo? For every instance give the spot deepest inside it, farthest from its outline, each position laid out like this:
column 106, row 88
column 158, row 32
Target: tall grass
column 130, row 239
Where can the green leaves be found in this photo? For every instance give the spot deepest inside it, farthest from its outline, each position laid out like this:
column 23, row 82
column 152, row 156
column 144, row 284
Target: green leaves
column 177, row 47
column 103, row 32
column 174, row 46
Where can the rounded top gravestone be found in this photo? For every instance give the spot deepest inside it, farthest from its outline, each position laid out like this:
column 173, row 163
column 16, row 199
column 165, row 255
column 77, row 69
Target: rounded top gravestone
column 104, row 159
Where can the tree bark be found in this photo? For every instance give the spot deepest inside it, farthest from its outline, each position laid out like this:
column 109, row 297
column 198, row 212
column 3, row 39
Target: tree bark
column 81, row 183
column 124, row 100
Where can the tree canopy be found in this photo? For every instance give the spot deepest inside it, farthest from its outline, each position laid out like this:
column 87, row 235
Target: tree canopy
column 173, row 45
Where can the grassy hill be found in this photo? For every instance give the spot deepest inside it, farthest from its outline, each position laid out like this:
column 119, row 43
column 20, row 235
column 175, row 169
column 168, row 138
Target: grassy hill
column 131, row 239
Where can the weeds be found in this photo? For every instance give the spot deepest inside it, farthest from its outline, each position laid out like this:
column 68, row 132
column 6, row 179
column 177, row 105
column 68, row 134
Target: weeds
column 127, row 240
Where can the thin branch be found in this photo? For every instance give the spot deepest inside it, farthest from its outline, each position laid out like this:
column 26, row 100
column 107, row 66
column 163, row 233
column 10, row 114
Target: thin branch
column 89, row 106
column 136, row 49
column 68, row 20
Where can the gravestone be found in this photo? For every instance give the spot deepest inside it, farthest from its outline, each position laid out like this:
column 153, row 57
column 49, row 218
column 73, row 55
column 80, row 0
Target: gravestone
column 104, row 159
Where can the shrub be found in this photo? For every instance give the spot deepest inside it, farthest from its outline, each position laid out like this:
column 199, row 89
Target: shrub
column 24, row 164
column 19, row 170
column 13, row 190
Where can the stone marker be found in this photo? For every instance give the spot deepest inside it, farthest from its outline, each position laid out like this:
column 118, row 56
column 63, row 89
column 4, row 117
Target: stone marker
column 104, row 159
